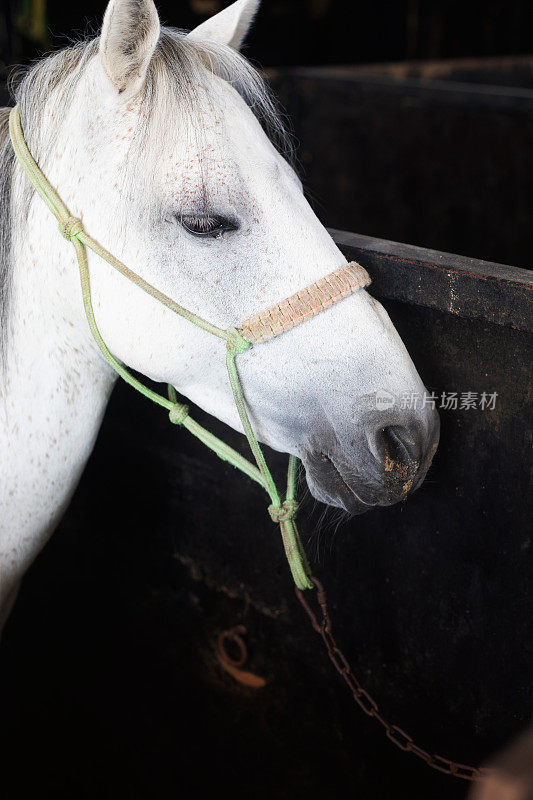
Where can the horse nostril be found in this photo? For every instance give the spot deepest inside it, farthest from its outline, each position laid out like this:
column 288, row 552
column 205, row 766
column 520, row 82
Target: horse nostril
column 399, row 444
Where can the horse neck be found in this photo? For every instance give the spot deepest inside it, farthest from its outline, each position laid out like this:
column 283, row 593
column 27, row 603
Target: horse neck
column 55, row 389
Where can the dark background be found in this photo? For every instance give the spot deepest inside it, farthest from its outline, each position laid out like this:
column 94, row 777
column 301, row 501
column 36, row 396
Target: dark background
column 110, row 685
column 316, row 31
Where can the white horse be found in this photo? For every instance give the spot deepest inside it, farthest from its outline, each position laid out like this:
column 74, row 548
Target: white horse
column 153, row 137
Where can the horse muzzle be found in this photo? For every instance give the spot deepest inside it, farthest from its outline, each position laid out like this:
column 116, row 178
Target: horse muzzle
column 386, row 463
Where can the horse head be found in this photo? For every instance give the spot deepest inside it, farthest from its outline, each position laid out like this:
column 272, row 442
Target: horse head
column 166, row 149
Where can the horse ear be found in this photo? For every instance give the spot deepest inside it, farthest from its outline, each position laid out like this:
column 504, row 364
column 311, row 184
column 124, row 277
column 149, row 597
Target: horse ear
column 229, row 26
column 129, row 36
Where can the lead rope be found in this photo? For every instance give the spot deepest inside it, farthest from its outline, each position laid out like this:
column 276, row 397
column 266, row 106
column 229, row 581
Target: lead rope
column 262, row 327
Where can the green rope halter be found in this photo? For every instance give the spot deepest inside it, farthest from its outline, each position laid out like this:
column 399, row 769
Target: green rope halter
column 282, row 511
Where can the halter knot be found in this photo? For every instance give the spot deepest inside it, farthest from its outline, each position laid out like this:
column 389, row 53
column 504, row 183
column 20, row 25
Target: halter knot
column 70, row 227
column 237, row 343
column 178, row 413
column 285, row 512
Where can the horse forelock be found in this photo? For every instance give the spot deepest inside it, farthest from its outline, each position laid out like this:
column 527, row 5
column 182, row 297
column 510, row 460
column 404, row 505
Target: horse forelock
column 178, row 67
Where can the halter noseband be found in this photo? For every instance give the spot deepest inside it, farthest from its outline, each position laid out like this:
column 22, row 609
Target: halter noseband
column 285, row 315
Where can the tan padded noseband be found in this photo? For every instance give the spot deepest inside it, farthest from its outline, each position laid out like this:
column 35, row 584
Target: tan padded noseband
column 306, row 303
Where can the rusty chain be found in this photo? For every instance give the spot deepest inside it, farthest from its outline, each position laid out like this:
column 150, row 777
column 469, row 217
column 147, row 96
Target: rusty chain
column 398, row 736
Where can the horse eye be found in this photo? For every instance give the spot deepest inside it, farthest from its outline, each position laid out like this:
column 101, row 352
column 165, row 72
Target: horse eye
column 207, row 225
